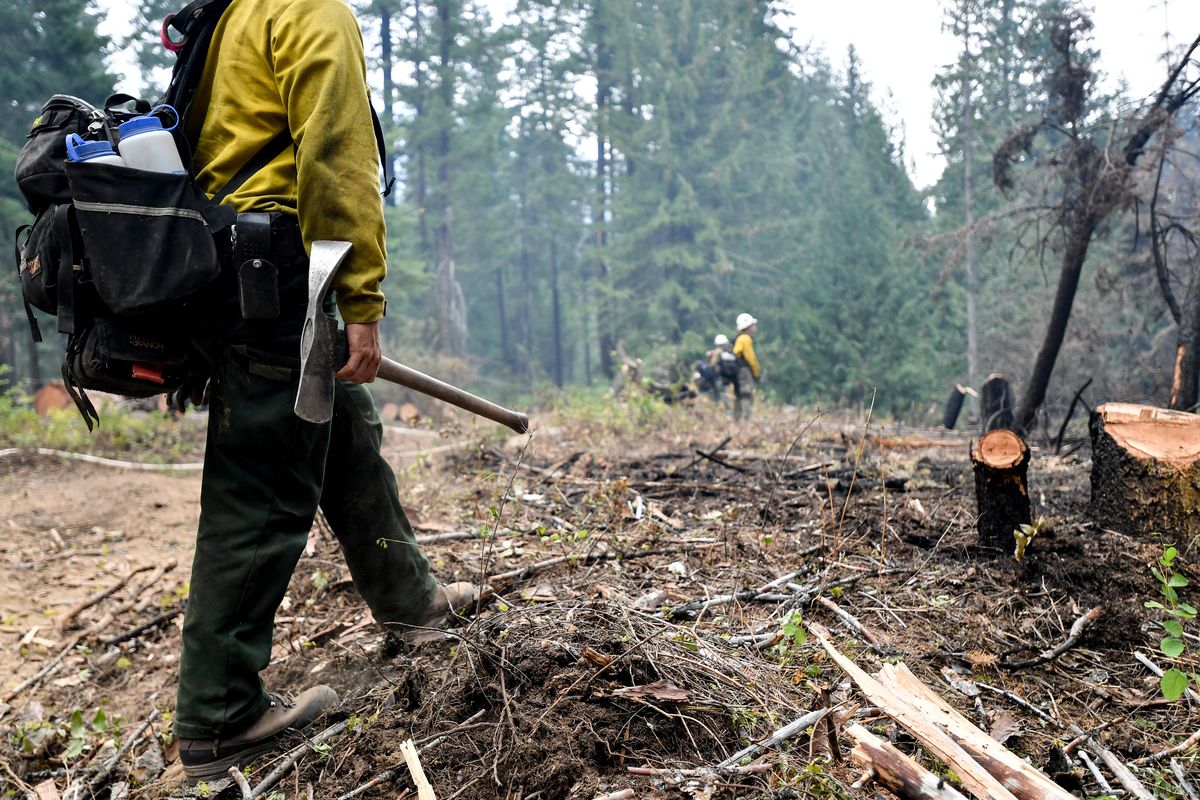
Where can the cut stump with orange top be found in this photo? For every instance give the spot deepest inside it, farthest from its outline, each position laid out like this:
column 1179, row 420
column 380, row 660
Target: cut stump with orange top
column 1146, row 471
column 1001, row 461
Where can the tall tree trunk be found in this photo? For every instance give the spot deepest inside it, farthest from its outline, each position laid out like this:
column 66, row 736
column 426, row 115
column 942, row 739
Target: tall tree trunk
column 968, row 134
column 600, row 215
column 1185, row 384
column 585, row 308
column 1079, row 238
column 385, row 57
column 525, row 309
column 385, row 10
column 420, row 111
column 556, row 304
column 502, row 314
column 451, row 314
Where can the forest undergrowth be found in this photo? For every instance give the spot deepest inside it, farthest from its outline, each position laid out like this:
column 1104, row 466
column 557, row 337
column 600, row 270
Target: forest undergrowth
column 651, row 584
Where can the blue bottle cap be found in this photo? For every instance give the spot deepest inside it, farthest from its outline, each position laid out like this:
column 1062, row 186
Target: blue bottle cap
column 79, row 150
column 139, row 125
column 147, row 124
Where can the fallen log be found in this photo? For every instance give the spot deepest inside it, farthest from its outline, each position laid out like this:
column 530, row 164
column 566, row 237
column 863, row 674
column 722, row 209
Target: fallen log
column 1146, row 470
column 897, row 772
column 1000, row 460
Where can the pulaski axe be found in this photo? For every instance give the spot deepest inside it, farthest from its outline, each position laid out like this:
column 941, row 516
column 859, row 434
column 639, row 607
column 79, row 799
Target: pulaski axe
column 322, row 352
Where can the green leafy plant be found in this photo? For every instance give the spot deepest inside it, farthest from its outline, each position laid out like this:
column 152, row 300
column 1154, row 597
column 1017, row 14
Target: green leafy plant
column 1174, row 682
column 793, row 628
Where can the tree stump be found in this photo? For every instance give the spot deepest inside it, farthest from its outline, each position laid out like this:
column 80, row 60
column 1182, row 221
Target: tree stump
column 995, row 403
column 953, row 407
column 1146, row 470
column 1001, row 461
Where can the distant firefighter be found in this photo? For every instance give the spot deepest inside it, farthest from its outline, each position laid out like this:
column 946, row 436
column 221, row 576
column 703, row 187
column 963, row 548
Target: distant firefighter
column 748, row 370
column 721, row 373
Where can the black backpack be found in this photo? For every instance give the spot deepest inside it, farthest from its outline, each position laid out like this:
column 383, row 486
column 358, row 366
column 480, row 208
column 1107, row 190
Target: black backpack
column 115, row 254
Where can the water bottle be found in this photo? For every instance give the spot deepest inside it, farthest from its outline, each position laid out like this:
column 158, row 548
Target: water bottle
column 146, row 144
column 92, row 152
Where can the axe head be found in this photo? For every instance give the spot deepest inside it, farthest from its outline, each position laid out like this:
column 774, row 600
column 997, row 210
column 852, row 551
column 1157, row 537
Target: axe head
column 314, row 398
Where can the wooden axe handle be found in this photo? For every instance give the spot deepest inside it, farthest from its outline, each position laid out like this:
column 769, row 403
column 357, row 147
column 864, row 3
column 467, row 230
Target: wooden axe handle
column 410, row 378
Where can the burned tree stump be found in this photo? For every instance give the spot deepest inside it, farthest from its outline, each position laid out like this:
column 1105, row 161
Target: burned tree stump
column 995, row 403
column 953, row 407
column 1146, row 470
column 1001, row 460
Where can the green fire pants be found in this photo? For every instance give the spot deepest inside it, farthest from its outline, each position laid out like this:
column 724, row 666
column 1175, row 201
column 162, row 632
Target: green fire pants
column 265, row 473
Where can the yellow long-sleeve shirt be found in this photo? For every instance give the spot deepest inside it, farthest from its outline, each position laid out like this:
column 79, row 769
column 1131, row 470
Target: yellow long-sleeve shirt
column 297, row 65
column 743, row 348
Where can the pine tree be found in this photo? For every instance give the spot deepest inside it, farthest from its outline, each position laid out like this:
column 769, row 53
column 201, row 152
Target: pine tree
column 46, row 47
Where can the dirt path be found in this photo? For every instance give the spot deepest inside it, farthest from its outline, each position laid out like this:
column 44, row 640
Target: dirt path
column 73, row 529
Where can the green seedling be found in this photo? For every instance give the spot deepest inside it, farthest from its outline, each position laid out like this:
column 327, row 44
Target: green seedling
column 1174, row 682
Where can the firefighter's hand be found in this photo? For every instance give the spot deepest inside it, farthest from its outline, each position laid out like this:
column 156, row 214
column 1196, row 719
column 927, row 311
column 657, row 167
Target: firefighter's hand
column 362, row 340
column 194, row 390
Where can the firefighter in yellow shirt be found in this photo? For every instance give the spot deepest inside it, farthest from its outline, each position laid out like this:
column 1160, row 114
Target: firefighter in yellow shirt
column 749, row 371
column 290, row 71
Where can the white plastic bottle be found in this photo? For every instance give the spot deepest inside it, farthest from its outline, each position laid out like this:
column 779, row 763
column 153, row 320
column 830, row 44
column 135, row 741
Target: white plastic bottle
column 146, row 144
column 79, row 150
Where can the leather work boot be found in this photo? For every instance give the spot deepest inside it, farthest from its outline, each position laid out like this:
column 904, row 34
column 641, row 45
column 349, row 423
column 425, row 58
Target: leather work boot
column 209, row 759
column 450, row 598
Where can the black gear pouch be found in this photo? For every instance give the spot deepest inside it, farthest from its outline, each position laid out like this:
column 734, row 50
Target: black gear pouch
column 148, row 235
column 39, row 168
column 135, row 358
column 46, row 257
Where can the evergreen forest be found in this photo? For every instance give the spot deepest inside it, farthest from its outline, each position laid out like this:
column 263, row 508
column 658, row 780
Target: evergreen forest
column 583, row 179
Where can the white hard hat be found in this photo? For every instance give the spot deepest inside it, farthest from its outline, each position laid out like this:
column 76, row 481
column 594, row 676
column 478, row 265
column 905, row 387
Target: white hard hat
column 721, row 340
column 744, row 321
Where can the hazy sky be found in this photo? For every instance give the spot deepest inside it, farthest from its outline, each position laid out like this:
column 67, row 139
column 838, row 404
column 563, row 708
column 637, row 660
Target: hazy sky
column 901, row 47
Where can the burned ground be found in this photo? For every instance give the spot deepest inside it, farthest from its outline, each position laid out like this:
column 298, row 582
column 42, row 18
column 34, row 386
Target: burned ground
column 608, row 644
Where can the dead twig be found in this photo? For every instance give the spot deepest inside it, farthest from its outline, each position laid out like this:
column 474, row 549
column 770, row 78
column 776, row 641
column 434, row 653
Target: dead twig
column 1183, row 781
column 854, row 624
column 779, row 736
column 1046, row 656
column 84, row 605
column 1120, row 771
column 1167, row 752
column 293, row 756
column 235, row 774
column 1093, row 768
column 108, row 766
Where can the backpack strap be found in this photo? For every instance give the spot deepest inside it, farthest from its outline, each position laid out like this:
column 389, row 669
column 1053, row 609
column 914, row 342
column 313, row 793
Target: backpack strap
column 66, row 265
column 195, row 22
column 82, row 402
column 260, row 159
column 389, row 180
column 281, row 142
column 34, row 330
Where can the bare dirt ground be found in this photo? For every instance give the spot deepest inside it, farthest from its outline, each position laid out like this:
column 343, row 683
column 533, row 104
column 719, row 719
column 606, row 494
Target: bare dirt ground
column 609, row 647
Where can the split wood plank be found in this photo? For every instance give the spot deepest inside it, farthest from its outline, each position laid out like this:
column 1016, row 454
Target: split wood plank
column 413, row 760
column 1015, row 773
column 900, row 774
column 975, row 778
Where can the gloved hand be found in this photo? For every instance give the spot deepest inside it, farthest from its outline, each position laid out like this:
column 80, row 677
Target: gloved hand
column 194, row 390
